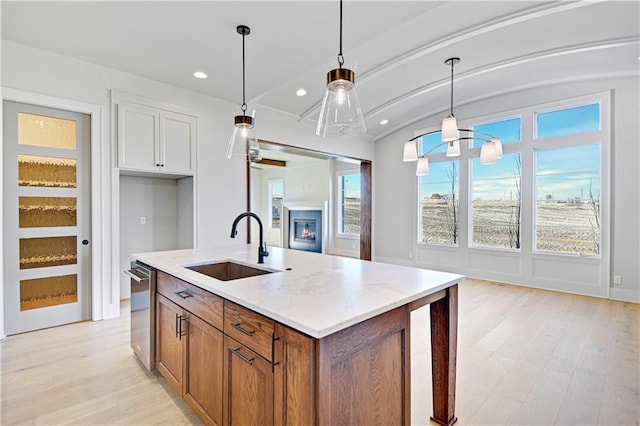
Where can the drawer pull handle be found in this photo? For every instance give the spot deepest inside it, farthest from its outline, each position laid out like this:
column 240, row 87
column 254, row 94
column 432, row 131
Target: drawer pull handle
column 183, row 294
column 242, row 357
column 242, row 330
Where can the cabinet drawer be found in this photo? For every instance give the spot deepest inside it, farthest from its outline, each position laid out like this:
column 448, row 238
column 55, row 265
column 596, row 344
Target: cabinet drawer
column 249, row 328
column 199, row 302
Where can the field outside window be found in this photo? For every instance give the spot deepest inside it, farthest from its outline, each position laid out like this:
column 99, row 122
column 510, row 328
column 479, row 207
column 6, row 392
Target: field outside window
column 275, row 203
column 496, row 203
column 568, row 200
column 349, row 204
column 439, row 204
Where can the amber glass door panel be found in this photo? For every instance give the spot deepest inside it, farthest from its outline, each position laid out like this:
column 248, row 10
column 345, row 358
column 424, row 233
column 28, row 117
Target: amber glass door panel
column 46, row 217
column 48, row 251
column 48, row 172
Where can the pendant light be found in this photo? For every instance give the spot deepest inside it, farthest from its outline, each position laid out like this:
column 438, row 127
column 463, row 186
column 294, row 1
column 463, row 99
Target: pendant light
column 449, row 124
column 243, row 138
column 340, row 113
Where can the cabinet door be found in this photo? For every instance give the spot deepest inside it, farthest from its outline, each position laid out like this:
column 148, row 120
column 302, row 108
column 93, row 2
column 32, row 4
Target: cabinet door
column 248, row 386
column 177, row 142
column 138, row 137
column 202, row 387
column 169, row 342
column 294, row 378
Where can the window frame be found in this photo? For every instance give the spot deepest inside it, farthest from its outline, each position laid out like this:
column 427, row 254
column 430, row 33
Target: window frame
column 270, row 183
column 340, row 202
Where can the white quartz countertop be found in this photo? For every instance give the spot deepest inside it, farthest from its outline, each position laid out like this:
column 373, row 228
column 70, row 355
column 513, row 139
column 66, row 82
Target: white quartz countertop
column 319, row 295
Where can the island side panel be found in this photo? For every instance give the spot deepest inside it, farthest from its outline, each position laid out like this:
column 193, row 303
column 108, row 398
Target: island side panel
column 444, row 345
column 363, row 372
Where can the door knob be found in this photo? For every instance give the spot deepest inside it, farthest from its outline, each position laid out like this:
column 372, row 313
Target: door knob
column 85, row 242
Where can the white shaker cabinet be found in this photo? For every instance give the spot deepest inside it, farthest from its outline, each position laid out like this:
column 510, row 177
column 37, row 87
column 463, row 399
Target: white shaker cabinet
column 155, row 140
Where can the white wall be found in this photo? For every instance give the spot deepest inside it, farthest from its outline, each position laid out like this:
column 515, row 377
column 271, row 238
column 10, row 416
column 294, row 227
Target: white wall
column 159, row 202
column 220, row 183
column 395, row 181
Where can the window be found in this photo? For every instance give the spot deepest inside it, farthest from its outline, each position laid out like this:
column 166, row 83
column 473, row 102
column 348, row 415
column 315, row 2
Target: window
column 568, row 200
column 508, row 131
column 275, row 202
column 496, row 191
column 567, row 181
column 568, row 121
column 496, row 203
column 439, row 204
column 349, row 203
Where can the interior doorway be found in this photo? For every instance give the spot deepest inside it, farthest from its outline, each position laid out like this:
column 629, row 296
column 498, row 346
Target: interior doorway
column 309, row 177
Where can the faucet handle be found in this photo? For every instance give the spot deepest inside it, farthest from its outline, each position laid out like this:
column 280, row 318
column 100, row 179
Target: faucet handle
column 265, row 253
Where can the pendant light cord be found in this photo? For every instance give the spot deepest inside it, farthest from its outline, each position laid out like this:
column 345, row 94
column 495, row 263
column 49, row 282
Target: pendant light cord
column 452, row 88
column 244, row 103
column 340, row 57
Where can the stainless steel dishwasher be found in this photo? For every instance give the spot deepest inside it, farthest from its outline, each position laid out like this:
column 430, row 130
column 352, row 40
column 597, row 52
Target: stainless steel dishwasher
column 143, row 330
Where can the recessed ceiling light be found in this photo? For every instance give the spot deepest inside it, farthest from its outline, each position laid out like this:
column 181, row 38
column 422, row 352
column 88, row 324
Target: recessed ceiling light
column 301, row 92
column 199, row 74
column 383, row 122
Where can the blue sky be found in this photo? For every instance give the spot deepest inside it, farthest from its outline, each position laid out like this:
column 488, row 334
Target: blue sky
column 563, row 173
column 351, row 185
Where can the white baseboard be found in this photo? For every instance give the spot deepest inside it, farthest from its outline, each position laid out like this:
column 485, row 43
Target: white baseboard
column 624, row 294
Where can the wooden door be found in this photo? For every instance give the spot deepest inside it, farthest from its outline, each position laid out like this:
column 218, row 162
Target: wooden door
column 46, row 218
column 202, row 386
column 169, row 342
column 248, row 386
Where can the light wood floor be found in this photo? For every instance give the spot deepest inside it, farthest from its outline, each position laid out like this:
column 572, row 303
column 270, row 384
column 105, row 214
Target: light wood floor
column 525, row 356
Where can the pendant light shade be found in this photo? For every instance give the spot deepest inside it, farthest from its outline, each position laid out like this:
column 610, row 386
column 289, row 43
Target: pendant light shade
column 488, row 153
column 498, row 144
column 410, row 152
column 422, row 168
column 450, row 129
column 341, row 113
column 243, row 136
column 453, row 150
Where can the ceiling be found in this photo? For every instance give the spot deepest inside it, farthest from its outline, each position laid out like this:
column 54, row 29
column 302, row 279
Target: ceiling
column 398, row 48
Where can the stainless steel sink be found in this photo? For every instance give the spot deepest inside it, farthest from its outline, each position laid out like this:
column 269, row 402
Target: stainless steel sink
column 227, row 271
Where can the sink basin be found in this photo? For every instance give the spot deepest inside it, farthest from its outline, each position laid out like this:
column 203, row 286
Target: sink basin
column 227, row 271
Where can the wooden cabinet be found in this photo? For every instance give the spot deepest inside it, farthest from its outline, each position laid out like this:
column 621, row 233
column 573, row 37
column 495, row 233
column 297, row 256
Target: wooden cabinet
column 155, row 140
column 189, row 349
column 260, row 372
column 248, row 386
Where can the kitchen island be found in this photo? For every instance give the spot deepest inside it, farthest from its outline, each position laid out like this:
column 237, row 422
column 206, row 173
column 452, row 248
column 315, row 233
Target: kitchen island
column 329, row 336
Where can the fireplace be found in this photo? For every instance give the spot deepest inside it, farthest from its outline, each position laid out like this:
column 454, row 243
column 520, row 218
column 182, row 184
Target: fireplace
column 305, row 230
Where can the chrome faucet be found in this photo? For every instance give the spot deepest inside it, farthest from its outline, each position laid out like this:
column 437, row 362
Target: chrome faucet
column 262, row 248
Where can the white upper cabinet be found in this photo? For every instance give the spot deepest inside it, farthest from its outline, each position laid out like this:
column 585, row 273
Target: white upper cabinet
column 155, row 140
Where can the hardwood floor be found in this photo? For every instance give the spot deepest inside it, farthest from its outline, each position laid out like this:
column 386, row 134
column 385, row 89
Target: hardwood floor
column 525, row 356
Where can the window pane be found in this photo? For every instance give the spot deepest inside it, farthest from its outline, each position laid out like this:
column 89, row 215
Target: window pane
column 48, row 251
column 37, row 212
column 349, row 204
column 568, row 121
column 432, row 140
column 496, row 195
column 40, row 130
column 275, row 202
column 508, row 131
column 568, row 200
column 49, row 172
column 439, row 204
column 50, row 291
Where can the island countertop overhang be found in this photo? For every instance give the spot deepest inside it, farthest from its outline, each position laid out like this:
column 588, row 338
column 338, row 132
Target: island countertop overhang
column 315, row 294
